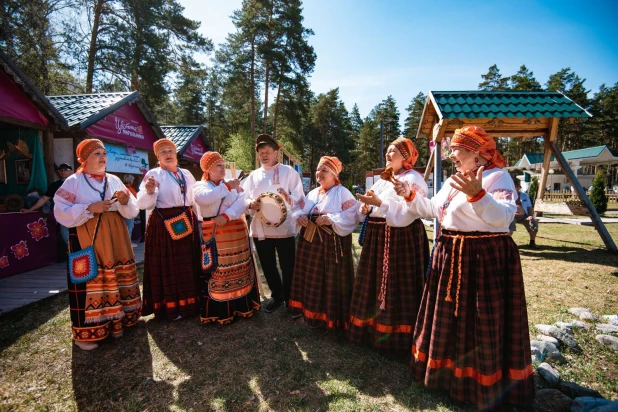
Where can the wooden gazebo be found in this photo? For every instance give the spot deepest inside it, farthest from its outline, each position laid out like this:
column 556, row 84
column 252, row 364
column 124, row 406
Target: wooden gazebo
column 506, row 114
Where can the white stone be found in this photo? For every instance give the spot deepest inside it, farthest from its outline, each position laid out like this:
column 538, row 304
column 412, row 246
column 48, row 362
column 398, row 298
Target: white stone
column 607, row 328
column 588, row 316
column 551, row 375
column 608, row 340
column 578, row 311
column 544, row 338
column 610, row 317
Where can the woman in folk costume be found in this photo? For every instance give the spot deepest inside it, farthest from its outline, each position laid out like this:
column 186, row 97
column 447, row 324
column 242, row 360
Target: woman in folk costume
column 172, row 251
column 471, row 337
column 94, row 204
column 231, row 290
column 389, row 281
column 324, row 267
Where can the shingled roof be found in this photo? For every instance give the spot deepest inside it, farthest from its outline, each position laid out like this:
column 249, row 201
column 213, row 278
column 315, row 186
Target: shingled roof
column 84, row 110
column 182, row 136
column 40, row 101
column 507, row 104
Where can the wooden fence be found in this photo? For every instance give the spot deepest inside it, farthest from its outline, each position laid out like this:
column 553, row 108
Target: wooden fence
column 564, row 195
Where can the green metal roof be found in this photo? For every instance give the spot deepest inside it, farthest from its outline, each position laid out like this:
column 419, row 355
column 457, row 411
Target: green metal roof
column 588, row 152
column 182, row 136
column 84, row 110
column 507, row 104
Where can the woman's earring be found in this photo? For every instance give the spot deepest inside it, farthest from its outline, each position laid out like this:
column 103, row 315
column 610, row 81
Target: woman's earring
column 476, row 160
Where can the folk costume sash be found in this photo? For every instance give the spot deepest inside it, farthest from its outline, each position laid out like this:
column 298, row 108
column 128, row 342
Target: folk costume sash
column 181, row 225
column 210, row 255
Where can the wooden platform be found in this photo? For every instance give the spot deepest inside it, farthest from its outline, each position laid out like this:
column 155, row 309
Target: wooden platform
column 20, row 290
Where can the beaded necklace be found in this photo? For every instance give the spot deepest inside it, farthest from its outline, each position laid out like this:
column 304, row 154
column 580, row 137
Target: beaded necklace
column 101, row 193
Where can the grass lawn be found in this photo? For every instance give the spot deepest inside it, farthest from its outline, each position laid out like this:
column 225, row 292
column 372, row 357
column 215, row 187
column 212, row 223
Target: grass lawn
column 271, row 362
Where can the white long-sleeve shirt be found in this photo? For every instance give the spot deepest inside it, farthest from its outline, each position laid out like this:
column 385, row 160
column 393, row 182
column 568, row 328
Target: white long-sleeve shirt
column 492, row 213
column 208, row 198
column 391, row 206
column 338, row 204
column 269, row 180
column 167, row 193
column 71, row 201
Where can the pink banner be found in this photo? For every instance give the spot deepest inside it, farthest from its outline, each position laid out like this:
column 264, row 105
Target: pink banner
column 16, row 104
column 195, row 150
column 126, row 125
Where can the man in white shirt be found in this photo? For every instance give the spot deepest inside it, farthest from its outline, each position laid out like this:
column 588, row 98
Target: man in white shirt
column 525, row 215
column 286, row 182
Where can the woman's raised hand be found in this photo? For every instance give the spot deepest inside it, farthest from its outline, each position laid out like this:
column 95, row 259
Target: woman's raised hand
column 402, row 189
column 468, row 183
column 100, row 207
column 370, row 198
column 151, row 185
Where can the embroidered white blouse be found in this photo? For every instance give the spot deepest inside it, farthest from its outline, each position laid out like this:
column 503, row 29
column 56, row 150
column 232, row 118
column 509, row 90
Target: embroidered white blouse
column 492, row 213
column 389, row 209
column 71, row 201
column 338, row 204
column 167, row 193
column 269, row 180
column 208, row 198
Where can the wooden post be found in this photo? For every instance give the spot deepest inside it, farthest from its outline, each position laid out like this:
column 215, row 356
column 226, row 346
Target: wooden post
column 438, row 134
column 596, row 219
column 551, row 137
column 48, row 155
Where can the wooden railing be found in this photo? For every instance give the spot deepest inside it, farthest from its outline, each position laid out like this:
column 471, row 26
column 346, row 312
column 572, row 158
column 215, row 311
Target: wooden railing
column 564, row 195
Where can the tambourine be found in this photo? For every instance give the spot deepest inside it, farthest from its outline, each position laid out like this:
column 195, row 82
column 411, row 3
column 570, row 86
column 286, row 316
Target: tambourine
column 272, row 209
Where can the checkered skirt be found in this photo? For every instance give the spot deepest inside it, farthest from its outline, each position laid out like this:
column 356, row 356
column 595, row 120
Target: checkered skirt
column 171, row 268
column 322, row 281
column 475, row 343
column 389, row 328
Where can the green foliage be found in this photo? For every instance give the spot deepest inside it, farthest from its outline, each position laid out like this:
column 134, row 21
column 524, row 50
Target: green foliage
column 415, row 111
column 493, row 80
column 524, row 80
column 241, row 148
column 597, row 195
column 533, row 189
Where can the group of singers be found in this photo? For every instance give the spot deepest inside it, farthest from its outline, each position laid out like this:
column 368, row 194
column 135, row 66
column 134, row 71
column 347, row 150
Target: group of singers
column 460, row 310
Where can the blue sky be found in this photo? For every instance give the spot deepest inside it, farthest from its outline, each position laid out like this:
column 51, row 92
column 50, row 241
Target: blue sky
column 371, row 49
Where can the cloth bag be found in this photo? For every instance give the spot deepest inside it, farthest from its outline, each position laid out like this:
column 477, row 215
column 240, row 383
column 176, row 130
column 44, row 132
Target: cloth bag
column 210, row 257
column 83, row 264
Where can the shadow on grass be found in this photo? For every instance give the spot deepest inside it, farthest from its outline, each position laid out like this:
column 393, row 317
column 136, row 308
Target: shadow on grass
column 273, row 362
column 118, row 374
column 19, row 322
column 571, row 254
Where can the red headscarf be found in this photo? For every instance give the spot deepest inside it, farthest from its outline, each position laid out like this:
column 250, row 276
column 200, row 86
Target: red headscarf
column 208, row 160
column 407, row 150
column 476, row 139
column 161, row 143
column 85, row 149
column 333, row 165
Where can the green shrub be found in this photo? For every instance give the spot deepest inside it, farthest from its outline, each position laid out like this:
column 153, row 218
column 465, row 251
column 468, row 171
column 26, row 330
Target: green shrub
column 597, row 195
column 533, row 189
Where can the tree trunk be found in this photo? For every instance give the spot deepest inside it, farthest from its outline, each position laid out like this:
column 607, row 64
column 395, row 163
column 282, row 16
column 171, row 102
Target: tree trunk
column 138, row 53
column 253, row 93
column 98, row 8
column 267, row 66
column 276, row 110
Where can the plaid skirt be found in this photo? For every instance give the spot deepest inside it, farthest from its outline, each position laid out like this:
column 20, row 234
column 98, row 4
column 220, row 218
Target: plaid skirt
column 322, row 281
column 471, row 337
column 111, row 301
column 388, row 323
column 171, row 268
column 232, row 289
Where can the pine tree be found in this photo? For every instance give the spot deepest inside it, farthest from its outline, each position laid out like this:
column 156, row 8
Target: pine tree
column 571, row 85
column 524, row 80
column 493, row 80
column 597, row 195
column 189, row 93
column 415, row 111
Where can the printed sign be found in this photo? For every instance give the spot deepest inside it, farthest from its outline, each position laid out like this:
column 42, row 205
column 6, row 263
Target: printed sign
column 126, row 125
column 120, row 160
column 195, row 150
